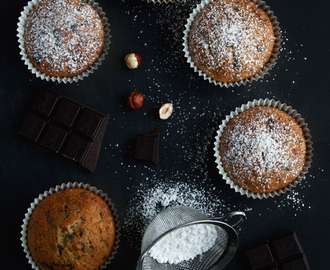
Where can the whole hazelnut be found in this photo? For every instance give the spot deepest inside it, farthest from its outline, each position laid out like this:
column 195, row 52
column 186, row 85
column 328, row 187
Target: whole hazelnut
column 135, row 100
column 133, row 60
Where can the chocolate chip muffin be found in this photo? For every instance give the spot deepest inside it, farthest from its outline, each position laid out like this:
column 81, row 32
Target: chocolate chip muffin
column 71, row 229
column 262, row 149
column 63, row 38
column 231, row 40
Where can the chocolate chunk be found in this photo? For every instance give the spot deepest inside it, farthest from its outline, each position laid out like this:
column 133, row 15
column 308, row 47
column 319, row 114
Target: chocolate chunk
column 54, row 138
column 77, row 149
column 32, row 127
column 147, row 147
column 45, row 102
column 67, row 113
column 260, row 256
column 65, row 127
column 89, row 123
column 297, row 264
column 287, row 246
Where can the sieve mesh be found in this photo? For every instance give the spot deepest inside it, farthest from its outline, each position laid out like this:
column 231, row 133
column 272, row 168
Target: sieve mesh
column 180, row 216
column 167, row 220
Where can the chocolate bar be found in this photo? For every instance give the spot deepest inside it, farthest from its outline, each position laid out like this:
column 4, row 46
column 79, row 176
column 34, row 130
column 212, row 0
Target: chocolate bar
column 284, row 253
column 147, row 146
column 66, row 128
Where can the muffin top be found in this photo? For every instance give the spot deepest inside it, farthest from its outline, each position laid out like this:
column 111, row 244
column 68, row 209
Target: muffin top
column 231, row 40
column 63, row 38
column 71, row 229
column 262, row 149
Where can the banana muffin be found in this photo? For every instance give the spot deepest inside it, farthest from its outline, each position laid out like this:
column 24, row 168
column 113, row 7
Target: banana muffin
column 262, row 149
column 231, row 40
column 71, row 229
column 63, row 38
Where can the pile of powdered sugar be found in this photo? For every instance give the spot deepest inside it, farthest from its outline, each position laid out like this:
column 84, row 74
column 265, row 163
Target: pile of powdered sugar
column 184, row 244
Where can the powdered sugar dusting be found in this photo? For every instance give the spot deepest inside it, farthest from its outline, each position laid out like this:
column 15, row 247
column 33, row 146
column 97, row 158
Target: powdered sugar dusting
column 231, row 40
column 64, row 37
column 261, row 150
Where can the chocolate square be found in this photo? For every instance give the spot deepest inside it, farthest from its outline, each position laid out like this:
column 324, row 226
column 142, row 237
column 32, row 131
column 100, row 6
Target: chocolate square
column 54, row 138
column 260, row 256
column 77, row 149
column 32, row 127
column 89, row 123
column 45, row 102
column 66, row 113
column 287, row 246
column 297, row 264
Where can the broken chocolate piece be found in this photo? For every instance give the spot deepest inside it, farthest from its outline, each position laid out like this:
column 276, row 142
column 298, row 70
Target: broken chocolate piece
column 147, row 147
column 66, row 128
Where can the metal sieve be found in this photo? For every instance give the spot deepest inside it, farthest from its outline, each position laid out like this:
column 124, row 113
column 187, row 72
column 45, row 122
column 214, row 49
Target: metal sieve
column 170, row 219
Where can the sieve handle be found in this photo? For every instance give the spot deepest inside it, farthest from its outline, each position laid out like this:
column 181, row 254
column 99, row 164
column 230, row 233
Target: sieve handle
column 230, row 215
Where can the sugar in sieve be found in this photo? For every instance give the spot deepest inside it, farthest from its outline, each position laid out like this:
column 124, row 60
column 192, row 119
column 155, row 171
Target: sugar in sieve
column 178, row 217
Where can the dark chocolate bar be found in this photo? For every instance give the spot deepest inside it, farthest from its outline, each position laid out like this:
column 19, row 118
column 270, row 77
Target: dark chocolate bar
column 147, row 147
column 66, row 128
column 284, row 253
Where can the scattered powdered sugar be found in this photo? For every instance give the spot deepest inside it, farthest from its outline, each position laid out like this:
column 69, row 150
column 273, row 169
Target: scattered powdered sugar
column 149, row 201
column 184, row 244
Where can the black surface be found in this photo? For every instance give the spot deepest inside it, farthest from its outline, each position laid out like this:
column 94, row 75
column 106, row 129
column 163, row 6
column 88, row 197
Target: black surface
column 300, row 79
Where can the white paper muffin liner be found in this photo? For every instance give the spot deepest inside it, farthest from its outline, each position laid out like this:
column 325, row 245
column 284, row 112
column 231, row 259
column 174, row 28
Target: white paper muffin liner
column 288, row 110
column 21, row 26
column 272, row 61
column 37, row 200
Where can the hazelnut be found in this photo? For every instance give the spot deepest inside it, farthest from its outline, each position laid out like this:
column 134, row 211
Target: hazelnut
column 165, row 111
column 135, row 100
column 133, row 60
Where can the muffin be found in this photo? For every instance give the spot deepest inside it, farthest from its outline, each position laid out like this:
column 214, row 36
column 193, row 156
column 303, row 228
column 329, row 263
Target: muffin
column 72, row 228
column 63, row 40
column 231, row 41
column 263, row 149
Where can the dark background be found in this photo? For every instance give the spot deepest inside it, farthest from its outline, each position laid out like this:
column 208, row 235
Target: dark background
column 300, row 79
